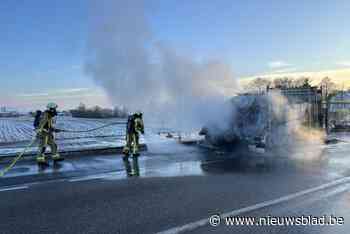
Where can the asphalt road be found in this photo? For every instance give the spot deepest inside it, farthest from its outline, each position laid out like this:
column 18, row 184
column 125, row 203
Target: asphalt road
column 178, row 190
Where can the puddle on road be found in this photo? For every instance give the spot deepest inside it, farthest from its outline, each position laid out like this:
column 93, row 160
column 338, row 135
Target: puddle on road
column 19, row 170
column 174, row 169
column 33, row 169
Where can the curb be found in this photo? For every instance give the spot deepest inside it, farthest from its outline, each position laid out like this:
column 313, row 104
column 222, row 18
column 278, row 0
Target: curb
column 74, row 153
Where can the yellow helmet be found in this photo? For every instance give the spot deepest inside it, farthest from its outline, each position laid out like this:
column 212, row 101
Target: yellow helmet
column 138, row 114
column 51, row 105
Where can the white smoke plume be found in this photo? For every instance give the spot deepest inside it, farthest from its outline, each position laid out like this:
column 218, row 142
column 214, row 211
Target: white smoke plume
column 272, row 119
column 141, row 73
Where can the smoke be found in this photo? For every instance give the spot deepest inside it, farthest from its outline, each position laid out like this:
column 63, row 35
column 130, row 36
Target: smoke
column 140, row 72
column 290, row 136
column 273, row 120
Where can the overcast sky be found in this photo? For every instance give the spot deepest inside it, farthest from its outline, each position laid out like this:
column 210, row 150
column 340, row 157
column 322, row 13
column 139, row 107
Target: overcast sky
column 43, row 43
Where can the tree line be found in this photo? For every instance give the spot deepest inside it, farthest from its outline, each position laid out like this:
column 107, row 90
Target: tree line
column 98, row 112
column 261, row 84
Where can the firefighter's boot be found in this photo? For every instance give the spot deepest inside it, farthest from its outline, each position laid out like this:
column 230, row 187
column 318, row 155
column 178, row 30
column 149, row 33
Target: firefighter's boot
column 57, row 158
column 127, row 165
column 41, row 160
column 135, row 165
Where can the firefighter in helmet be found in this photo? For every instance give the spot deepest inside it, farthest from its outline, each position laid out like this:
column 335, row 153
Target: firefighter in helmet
column 45, row 134
column 134, row 127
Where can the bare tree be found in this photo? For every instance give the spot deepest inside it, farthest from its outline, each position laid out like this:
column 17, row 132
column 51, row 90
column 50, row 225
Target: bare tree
column 284, row 82
column 258, row 85
column 327, row 86
column 82, row 107
column 302, row 82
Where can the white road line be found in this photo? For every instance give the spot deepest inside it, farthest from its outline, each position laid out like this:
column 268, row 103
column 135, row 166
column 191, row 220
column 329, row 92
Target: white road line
column 86, row 178
column 106, row 175
column 200, row 223
column 93, row 177
column 13, row 188
column 336, row 191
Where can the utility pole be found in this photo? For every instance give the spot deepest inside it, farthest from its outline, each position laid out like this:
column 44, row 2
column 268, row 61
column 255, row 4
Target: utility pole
column 326, row 109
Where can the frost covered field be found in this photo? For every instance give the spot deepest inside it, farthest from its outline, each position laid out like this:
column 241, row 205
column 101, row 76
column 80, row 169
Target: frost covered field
column 15, row 133
column 21, row 129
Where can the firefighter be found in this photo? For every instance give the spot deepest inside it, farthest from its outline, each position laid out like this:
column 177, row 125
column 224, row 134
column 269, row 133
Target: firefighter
column 45, row 134
column 37, row 118
column 134, row 127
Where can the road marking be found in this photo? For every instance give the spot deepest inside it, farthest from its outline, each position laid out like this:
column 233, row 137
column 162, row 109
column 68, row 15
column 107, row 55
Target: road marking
column 336, row 191
column 27, row 185
column 96, row 176
column 86, row 178
column 200, row 223
column 13, row 188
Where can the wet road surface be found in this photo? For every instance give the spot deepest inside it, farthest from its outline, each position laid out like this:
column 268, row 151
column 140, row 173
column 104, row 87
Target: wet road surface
column 178, row 189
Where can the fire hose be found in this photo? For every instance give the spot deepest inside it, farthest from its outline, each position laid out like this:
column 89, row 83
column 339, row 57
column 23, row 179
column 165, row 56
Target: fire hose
column 14, row 161
column 90, row 130
column 20, row 155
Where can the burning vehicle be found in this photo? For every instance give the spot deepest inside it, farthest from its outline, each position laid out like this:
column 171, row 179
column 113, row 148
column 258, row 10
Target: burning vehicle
column 257, row 122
